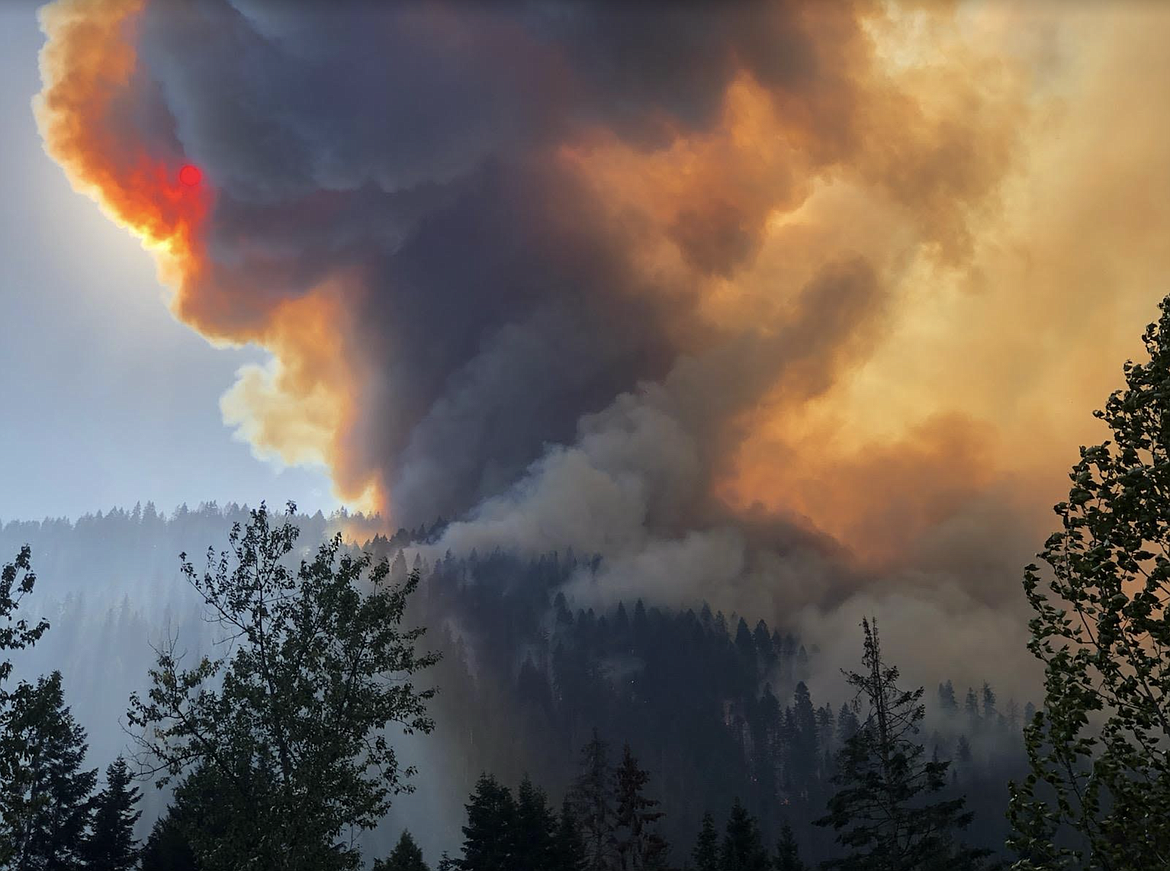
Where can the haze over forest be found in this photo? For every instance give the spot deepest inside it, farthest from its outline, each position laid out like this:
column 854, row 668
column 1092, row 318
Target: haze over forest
column 658, row 344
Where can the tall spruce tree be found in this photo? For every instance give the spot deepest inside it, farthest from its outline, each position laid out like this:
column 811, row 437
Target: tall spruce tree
column 490, row 834
column 886, row 811
column 787, row 852
column 568, row 847
column 535, row 829
column 705, row 855
column 593, row 801
column 1100, row 771
column 639, row 845
column 111, row 845
column 168, row 848
column 406, row 856
column 46, row 806
column 743, row 846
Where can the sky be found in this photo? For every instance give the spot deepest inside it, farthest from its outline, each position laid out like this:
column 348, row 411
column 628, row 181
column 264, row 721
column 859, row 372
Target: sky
column 107, row 398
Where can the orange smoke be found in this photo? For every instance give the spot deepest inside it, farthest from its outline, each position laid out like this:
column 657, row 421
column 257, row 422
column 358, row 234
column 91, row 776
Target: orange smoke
column 299, row 407
column 85, row 64
column 1001, row 171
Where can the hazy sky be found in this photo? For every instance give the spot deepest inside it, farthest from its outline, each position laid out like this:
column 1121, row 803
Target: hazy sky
column 105, row 399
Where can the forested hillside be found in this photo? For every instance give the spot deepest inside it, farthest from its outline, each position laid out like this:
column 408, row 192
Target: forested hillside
column 716, row 707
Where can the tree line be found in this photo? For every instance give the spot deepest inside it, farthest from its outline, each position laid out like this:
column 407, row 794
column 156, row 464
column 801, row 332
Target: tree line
column 278, row 749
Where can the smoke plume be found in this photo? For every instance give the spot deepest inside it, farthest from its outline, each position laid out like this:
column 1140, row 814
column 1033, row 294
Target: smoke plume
column 772, row 303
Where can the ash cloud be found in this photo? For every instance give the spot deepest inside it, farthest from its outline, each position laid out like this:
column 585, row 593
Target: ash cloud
column 767, row 303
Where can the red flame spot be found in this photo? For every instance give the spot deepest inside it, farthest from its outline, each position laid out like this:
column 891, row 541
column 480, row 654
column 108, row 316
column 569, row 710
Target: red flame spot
column 190, row 175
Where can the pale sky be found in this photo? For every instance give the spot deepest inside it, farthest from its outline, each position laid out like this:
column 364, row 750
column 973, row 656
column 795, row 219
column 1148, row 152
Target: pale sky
column 105, row 399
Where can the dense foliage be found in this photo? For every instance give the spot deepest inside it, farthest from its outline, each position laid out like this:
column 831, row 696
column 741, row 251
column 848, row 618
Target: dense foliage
column 286, row 731
column 1098, row 795
column 888, row 812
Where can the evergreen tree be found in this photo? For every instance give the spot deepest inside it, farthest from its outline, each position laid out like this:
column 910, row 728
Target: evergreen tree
column 1097, row 747
column 593, row 799
column 803, row 754
column 17, row 580
column 989, row 712
column 639, row 846
column 111, row 845
column 406, row 856
column 971, row 706
column 706, row 852
column 883, row 813
column 568, row 853
column 946, row 698
column 488, row 837
column 168, row 848
column 847, row 724
column 535, row 828
column 743, row 846
column 46, row 806
column 787, row 852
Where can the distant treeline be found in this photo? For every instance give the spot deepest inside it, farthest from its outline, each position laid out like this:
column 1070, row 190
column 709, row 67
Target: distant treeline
column 716, row 708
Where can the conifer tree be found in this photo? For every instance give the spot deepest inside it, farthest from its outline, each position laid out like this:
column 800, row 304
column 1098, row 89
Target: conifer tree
column 535, row 828
column 883, row 811
column 706, row 852
column 168, row 848
column 406, row 856
column 639, row 846
column 568, row 852
column 593, row 800
column 743, row 846
column 787, row 852
column 46, row 806
column 488, row 837
column 946, row 698
column 111, row 845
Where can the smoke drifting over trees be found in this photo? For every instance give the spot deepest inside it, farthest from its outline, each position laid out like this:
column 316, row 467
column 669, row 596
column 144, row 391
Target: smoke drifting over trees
column 696, row 287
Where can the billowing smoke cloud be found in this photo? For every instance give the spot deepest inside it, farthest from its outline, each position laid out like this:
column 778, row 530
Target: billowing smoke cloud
column 766, row 302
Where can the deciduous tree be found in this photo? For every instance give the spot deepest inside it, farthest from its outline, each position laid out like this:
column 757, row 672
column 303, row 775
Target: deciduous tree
column 287, row 728
column 1100, row 768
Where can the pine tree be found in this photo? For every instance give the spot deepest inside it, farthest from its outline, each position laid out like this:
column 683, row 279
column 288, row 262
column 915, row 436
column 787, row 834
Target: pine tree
column 639, row 846
column 706, row 852
column 593, row 800
column 488, row 837
column 111, row 845
column 946, row 698
column 406, row 856
column 971, row 706
column 568, row 852
column 882, row 811
column 989, row 712
column 787, row 852
column 743, row 846
column 847, row 724
column 168, row 848
column 803, row 757
column 534, row 829
column 46, row 806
